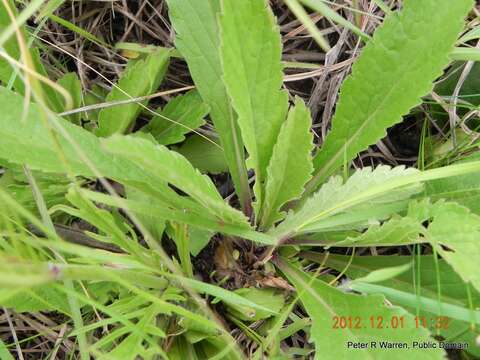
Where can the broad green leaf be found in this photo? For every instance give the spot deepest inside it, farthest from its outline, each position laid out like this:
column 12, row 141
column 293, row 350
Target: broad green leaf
column 30, row 143
column 395, row 69
column 195, row 239
column 93, row 96
column 464, row 190
column 9, row 74
column 270, row 299
column 141, row 77
column 454, row 232
column 394, row 232
column 171, row 167
column 291, row 164
column 356, row 220
column 195, row 22
column 180, row 116
column 72, row 84
column 323, row 303
column 206, row 156
column 335, row 197
column 251, row 54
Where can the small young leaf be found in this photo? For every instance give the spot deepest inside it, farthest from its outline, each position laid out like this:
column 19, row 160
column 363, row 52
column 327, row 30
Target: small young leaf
column 142, row 77
column 395, row 69
column 323, row 303
column 251, row 53
column 291, row 164
column 187, row 111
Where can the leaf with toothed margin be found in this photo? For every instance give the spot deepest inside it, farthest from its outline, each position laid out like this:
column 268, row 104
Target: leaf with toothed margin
column 335, row 198
column 251, row 52
column 171, row 167
column 181, row 115
column 291, row 164
column 396, row 68
column 197, row 39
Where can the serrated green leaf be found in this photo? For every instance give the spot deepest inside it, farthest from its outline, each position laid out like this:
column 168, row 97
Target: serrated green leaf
column 251, row 53
column 195, row 22
column 395, row 69
column 204, row 155
column 171, row 167
column 395, row 232
column 142, row 77
column 329, row 199
column 354, row 220
column 323, row 302
column 30, row 143
column 187, row 112
column 454, row 232
column 291, row 164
